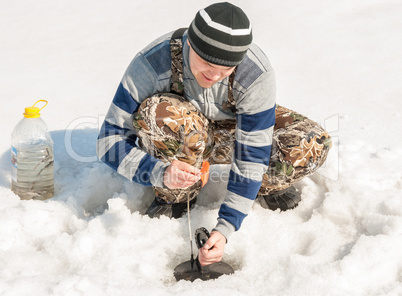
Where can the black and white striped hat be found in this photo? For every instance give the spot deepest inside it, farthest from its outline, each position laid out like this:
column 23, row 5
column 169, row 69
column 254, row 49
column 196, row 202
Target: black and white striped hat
column 221, row 34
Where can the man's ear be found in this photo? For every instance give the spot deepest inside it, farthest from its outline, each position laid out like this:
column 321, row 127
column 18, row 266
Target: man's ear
column 188, row 42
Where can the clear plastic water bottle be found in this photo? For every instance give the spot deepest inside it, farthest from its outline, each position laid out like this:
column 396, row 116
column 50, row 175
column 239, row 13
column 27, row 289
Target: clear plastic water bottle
column 32, row 157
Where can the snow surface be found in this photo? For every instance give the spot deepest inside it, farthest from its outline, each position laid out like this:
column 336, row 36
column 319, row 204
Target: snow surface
column 338, row 62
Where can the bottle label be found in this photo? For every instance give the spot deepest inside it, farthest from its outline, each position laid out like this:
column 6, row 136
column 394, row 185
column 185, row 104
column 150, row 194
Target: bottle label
column 14, row 164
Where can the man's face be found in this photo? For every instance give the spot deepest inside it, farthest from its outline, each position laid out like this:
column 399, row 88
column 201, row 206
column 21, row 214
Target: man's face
column 206, row 73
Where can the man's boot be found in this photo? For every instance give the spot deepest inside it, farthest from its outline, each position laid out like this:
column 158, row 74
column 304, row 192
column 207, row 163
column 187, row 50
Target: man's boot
column 160, row 207
column 285, row 199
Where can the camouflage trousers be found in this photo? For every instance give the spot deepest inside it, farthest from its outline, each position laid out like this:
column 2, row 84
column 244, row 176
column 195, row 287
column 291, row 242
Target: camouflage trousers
column 169, row 127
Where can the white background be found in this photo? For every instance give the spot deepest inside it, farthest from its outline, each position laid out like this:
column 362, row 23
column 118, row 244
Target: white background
column 337, row 62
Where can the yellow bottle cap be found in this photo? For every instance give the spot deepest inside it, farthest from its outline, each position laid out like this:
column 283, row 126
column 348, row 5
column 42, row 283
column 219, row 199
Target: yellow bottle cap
column 33, row 112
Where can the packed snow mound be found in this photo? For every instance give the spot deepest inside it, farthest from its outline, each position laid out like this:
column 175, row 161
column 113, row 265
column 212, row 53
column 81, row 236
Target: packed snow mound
column 337, row 63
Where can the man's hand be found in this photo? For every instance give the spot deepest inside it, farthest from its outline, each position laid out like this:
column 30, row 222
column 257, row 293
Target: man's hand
column 180, row 175
column 212, row 251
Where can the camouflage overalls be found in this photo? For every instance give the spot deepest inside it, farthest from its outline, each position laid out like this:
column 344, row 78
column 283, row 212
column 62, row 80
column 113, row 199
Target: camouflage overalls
column 170, row 127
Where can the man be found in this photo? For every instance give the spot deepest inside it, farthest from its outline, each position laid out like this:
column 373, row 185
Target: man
column 227, row 115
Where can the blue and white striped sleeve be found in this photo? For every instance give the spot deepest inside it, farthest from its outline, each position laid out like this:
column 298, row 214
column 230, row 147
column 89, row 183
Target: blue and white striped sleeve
column 254, row 130
column 117, row 141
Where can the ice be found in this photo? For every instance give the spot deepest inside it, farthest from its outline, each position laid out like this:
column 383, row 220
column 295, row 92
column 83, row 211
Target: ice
column 337, row 62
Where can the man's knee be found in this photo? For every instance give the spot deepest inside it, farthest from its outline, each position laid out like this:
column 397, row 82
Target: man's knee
column 172, row 128
column 300, row 146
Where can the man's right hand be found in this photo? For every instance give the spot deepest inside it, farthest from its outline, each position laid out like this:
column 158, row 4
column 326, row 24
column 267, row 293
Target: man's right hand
column 180, row 175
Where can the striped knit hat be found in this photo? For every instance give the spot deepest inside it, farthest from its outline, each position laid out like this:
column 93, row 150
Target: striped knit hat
column 221, row 34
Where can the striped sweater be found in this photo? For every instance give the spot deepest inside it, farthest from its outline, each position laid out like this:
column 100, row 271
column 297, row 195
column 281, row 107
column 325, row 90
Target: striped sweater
column 254, row 92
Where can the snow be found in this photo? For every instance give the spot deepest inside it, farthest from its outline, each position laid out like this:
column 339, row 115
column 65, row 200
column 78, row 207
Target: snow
column 338, row 62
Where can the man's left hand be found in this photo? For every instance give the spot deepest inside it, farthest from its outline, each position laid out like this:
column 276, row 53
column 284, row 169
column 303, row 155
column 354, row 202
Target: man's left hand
column 212, row 251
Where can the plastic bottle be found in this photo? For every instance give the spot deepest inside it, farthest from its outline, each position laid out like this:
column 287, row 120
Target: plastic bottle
column 32, row 157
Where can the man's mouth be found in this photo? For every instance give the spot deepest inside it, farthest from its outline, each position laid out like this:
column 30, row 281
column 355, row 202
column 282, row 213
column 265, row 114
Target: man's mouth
column 206, row 78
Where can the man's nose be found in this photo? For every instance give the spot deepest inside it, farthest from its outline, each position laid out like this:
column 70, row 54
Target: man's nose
column 214, row 74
